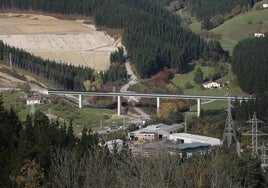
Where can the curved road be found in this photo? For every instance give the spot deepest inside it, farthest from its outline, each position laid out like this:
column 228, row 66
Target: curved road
column 130, row 99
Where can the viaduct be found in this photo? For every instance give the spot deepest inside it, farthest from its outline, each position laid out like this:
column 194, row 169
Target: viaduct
column 147, row 95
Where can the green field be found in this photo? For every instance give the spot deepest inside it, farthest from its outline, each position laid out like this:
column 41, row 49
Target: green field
column 215, row 105
column 195, row 25
column 84, row 117
column 65, row 111
column 242, row 26
column 230, row 89
column 181, row 79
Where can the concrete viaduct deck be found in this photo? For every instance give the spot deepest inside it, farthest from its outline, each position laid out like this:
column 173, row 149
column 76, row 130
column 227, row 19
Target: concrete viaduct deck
column 144, row 95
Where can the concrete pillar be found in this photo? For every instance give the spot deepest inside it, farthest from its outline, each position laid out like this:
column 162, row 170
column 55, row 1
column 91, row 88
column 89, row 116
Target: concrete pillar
column 118, row 105
column 80, row 101
column 157, row 104
column 198, row 107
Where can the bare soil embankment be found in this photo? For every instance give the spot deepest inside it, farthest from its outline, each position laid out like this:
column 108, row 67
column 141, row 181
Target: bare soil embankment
column 69, row 41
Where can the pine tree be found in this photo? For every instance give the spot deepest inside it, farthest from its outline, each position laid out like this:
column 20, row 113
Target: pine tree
column 198, row 76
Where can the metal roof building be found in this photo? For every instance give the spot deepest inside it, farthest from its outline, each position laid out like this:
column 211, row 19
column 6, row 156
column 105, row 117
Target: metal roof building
column 191, row 138
column 160, row 129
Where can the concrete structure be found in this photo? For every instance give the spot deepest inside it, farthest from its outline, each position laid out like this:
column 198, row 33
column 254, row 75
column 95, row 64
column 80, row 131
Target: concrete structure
column 80, row 101
column 144, row 95
column 198, row 107
column 191, row 138
column 118, row 105
column 265, row 5
column 211, row 84
column 157, row 104
column 259, row 34
column 34, row 100
column 161, row 130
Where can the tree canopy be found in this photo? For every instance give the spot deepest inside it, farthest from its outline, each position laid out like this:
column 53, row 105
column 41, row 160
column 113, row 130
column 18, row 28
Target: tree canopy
column 249, row 63
column 62, row 75
column 214, row 12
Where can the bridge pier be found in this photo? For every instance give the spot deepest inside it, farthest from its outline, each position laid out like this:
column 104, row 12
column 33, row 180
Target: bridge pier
column 118, row 105
column 198, row 107
column 80, row 101
column 157, row 104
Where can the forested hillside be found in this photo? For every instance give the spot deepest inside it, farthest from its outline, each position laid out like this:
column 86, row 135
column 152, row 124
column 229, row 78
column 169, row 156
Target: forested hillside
column 60, row 74
column 152, row 34
column 249, row 63
column 214, row 12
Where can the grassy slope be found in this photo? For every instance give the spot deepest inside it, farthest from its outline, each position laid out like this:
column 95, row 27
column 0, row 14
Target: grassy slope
column 195, row 26
column 90, row 117
column 231, row 32
column 181, row 79
column 242, row 26
column 85, row 117
column 231, row 89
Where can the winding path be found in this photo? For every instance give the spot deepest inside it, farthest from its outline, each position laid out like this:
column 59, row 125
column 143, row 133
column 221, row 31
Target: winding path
column 133, row 80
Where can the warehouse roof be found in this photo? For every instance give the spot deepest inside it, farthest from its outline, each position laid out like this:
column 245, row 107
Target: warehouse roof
column 191, row 138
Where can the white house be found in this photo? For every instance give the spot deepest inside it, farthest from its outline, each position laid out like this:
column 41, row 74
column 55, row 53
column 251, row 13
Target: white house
column 259, row 34
column 265, row 5
column 34, row 100
column 211, row 84
column 191, row 138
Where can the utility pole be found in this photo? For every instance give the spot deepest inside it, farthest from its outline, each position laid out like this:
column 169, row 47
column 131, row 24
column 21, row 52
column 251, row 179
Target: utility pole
column 10, row 62
column 185, row 121
column 229, row 132
column 49, row 116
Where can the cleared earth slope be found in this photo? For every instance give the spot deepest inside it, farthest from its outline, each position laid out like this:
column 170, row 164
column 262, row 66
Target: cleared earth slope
column 69, row 41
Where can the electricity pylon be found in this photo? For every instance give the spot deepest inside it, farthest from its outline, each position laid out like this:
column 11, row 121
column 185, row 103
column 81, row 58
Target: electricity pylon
column 254, row 133
column 263, row 149
column 229, row 132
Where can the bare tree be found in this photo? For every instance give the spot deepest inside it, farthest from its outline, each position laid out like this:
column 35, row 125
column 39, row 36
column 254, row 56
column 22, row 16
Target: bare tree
column 67, row 169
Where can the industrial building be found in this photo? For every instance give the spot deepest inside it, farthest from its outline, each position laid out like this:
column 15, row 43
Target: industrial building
column 186, row 150
column 162, row 131
column 191, row 138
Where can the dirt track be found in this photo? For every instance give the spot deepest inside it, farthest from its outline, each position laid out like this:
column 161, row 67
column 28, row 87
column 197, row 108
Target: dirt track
column 68, row 41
